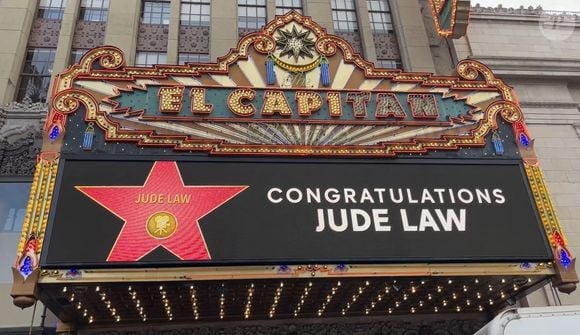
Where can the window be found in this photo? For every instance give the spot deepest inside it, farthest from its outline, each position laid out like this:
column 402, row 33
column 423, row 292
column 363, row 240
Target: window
column 380, row 16
column 13, row 199
column 156, row 12
column 150, row 58
column 76, row 55
column 195, row 13
column 251, row 13
column 284, row 6
column 94, row 10
column 35, row 76
column 189, row 57
column 344, row 15
column 51, row 9
column 389, row 64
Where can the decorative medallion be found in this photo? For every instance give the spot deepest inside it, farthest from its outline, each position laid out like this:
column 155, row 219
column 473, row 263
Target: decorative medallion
column 295, row 44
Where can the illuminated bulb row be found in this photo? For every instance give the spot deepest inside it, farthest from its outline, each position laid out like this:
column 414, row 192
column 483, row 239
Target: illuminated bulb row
column 79, row 306
column 329, row 297
column 379, row 298
column 110, row 307
column 222, row 302
column 249, row 298
column 302, row 299
column 166, row 303
column 276, row 300
column 194, row 305
column 355, row 296
column 137, row 303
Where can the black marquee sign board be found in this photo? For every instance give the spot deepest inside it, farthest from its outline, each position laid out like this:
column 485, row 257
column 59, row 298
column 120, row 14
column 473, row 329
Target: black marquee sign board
column 146, row 212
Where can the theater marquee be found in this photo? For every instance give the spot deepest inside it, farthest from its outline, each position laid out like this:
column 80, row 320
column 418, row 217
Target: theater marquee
column 274, row 212
column 291, row 158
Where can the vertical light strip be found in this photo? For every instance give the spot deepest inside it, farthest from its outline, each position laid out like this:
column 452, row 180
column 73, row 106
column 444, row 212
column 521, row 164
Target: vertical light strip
column 194, row 304
column 302, row 299
column 248, row 306
column 166, row 303
column 356, row 294
column 329, row 297
column 140, row 309
column 277, row 296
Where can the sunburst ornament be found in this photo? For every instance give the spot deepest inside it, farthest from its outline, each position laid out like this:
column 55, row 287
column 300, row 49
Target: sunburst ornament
column 295, row 44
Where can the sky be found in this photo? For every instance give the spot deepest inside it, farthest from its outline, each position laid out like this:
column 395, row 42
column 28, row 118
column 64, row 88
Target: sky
column 565, row 5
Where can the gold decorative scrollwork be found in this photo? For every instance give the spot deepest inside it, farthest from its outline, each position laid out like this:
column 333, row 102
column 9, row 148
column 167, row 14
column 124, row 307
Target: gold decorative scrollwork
column 471, row 70
column 326, row 46
column 264, row 44
column 69, row 101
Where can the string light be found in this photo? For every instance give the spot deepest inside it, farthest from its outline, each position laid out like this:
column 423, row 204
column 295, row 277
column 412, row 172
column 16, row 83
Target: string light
column 302, row 299
column 249, row 298
column 277, row 296
column 360, row 290
column 194, row 305
column 166, row 303
column 222, row 302
column 329, row 297
column 137, row 303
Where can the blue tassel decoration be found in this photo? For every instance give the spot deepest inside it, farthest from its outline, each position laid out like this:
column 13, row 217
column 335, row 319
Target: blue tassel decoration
column 497, row 143
column 54, row 132
column 26, row 267
column 564, row 258
column 324, row 72
column 89, row 136
column 524, row 140
column 270, row 74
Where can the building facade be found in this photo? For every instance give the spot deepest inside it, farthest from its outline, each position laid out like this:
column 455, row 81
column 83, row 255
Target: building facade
column 532, row 49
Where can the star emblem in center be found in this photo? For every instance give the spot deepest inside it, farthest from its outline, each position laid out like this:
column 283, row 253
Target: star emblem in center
column 295, row 44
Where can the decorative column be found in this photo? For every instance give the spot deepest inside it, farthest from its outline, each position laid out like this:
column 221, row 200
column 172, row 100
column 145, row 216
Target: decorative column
column 173, row 36
column 366, row 35
column 224, row 27
column 270, row 10
column 321, row 13
column 17, row 18
column 412, row 36
column 123, row 25
column 65, row 37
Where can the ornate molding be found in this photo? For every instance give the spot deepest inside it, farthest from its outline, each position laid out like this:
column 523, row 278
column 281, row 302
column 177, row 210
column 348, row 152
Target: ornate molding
column 18, row 159
column 565, row 262
column 472, row 77
column 523, row 11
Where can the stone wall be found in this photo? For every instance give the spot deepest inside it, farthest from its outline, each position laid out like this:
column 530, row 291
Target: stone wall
column 538, row 53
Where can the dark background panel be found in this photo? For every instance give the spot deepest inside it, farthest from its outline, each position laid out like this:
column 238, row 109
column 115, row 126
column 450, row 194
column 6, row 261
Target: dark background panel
column 249, row 229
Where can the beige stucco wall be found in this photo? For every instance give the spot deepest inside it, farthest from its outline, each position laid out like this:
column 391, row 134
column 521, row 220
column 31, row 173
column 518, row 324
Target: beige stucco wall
column 541, row 62
column 16, row 18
